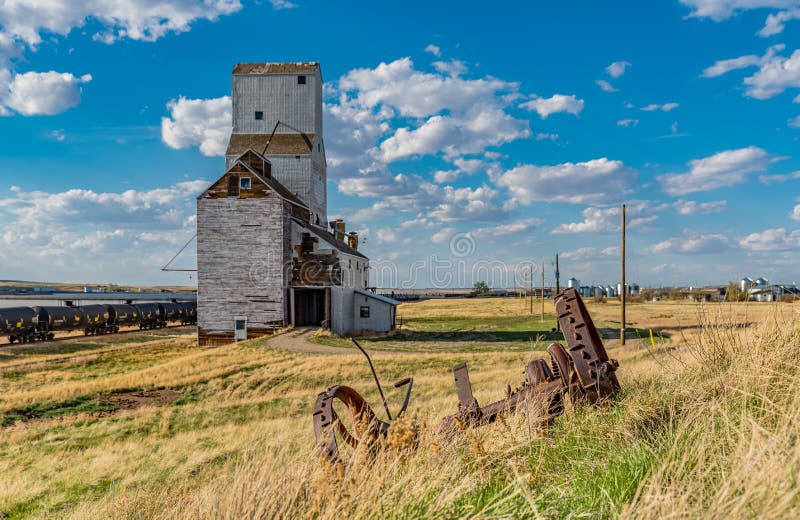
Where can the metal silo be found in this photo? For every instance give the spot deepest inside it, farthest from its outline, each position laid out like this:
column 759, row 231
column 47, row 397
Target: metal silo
column 610, row 291
column 762, row 282
column 745, row 283
column 598, row 291
column 573, row 283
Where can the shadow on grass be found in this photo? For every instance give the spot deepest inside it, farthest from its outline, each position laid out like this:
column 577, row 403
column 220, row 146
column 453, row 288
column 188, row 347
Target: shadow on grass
column 494, row 336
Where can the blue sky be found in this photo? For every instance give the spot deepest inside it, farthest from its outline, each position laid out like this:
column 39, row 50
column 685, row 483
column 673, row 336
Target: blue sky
column 514, row 131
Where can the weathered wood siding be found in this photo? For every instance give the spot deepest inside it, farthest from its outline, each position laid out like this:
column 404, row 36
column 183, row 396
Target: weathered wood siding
column 280, row 98
column 296, row 173
column 241, row 247
column 257, row 188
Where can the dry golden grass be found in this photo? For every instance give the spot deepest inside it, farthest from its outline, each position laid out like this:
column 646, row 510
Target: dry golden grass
column 706, row 426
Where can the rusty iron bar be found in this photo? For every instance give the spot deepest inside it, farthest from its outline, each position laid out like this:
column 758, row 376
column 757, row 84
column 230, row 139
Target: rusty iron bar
column 377, row 381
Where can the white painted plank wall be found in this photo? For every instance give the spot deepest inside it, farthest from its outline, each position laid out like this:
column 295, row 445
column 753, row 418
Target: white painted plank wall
column 239, row 261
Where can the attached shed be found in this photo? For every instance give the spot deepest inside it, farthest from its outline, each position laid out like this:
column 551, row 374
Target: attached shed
column 373, row 312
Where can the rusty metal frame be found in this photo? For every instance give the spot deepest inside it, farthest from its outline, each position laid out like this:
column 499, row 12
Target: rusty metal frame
column 582, row 370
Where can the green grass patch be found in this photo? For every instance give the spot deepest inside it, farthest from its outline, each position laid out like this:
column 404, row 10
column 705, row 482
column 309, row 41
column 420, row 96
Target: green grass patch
column 55, row 409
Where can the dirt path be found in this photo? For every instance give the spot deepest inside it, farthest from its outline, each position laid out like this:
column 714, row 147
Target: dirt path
column 297, row 340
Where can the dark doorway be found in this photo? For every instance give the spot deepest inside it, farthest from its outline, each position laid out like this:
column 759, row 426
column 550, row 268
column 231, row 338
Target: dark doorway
column 309, row 307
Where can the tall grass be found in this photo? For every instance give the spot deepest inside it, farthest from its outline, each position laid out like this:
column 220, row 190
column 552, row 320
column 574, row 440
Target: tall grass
column 708, row 430
column 706, row 426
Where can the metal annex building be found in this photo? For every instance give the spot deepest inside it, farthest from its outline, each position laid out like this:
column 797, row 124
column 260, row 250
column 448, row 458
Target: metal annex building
column 266, row 255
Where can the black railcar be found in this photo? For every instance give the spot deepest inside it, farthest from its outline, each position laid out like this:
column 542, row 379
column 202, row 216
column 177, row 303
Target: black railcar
column 123, row 315
column 189, row 313
column 19, row 323
column 150, row 316
column 40, row 323
column 59, row 319
column 98, row 320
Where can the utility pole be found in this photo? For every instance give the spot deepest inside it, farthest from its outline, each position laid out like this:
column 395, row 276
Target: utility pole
column 542, row 291
column 558, row 277
column 530, row 286
column 624, row 288
column 558, row 288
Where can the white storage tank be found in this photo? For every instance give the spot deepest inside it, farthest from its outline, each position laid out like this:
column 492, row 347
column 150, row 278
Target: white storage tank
column 573, row 283
column 745, row 284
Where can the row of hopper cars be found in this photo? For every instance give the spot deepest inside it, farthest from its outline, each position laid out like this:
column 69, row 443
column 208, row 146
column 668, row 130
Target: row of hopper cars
column 29, row 324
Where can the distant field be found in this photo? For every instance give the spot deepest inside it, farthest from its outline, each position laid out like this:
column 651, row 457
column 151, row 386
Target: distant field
column 148, row 425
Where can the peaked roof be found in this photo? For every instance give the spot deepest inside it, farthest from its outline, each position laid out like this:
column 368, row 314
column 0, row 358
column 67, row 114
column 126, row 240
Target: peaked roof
column 273, row 184
column 379, row 297
column 281, row 144
column 277, row 68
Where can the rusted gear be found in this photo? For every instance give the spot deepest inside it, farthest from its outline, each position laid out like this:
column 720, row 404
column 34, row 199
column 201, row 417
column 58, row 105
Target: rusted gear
column 327, row 423
column 595, row 371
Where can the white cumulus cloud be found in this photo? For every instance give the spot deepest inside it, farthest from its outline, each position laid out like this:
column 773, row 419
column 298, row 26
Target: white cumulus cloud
column 198, row 122
column 394, row 111
column 719, row 10
column 512, row 228
column 691, row 207
column 775, row 74
column 605, row 86
column 609, row 219
column 716, row 171
column 97, row 236
column 592, row 182
column 553, row 105
column 773, row 239
column 694, row 243
column 434, row 49
column 617, row 68
column 28, row 20
column 43, row 93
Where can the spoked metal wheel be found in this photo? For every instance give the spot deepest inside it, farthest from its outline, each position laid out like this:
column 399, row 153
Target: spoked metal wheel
column 343, row 421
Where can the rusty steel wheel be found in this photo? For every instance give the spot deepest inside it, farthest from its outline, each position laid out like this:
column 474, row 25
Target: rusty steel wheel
column 335, row 433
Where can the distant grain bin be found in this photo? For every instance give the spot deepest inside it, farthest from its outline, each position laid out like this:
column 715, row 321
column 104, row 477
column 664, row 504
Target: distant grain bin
column 598, row 291
column 573, row 283
column 610, row 291
column 761, row 282
column 745, row 284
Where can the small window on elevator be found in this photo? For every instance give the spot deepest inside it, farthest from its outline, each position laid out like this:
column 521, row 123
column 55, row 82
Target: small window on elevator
column 301, row 80
column 259, row 115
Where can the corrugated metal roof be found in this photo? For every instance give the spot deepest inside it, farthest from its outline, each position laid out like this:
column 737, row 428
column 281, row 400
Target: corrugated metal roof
column 299, row 67
column 379, row 297
column 282, row 144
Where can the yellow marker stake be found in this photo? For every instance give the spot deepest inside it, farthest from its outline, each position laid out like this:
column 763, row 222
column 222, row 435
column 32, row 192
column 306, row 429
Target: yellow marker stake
column 652, row 340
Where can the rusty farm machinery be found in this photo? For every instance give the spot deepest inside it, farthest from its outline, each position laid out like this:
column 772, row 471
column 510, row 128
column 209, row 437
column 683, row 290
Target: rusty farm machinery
column 582, row 370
